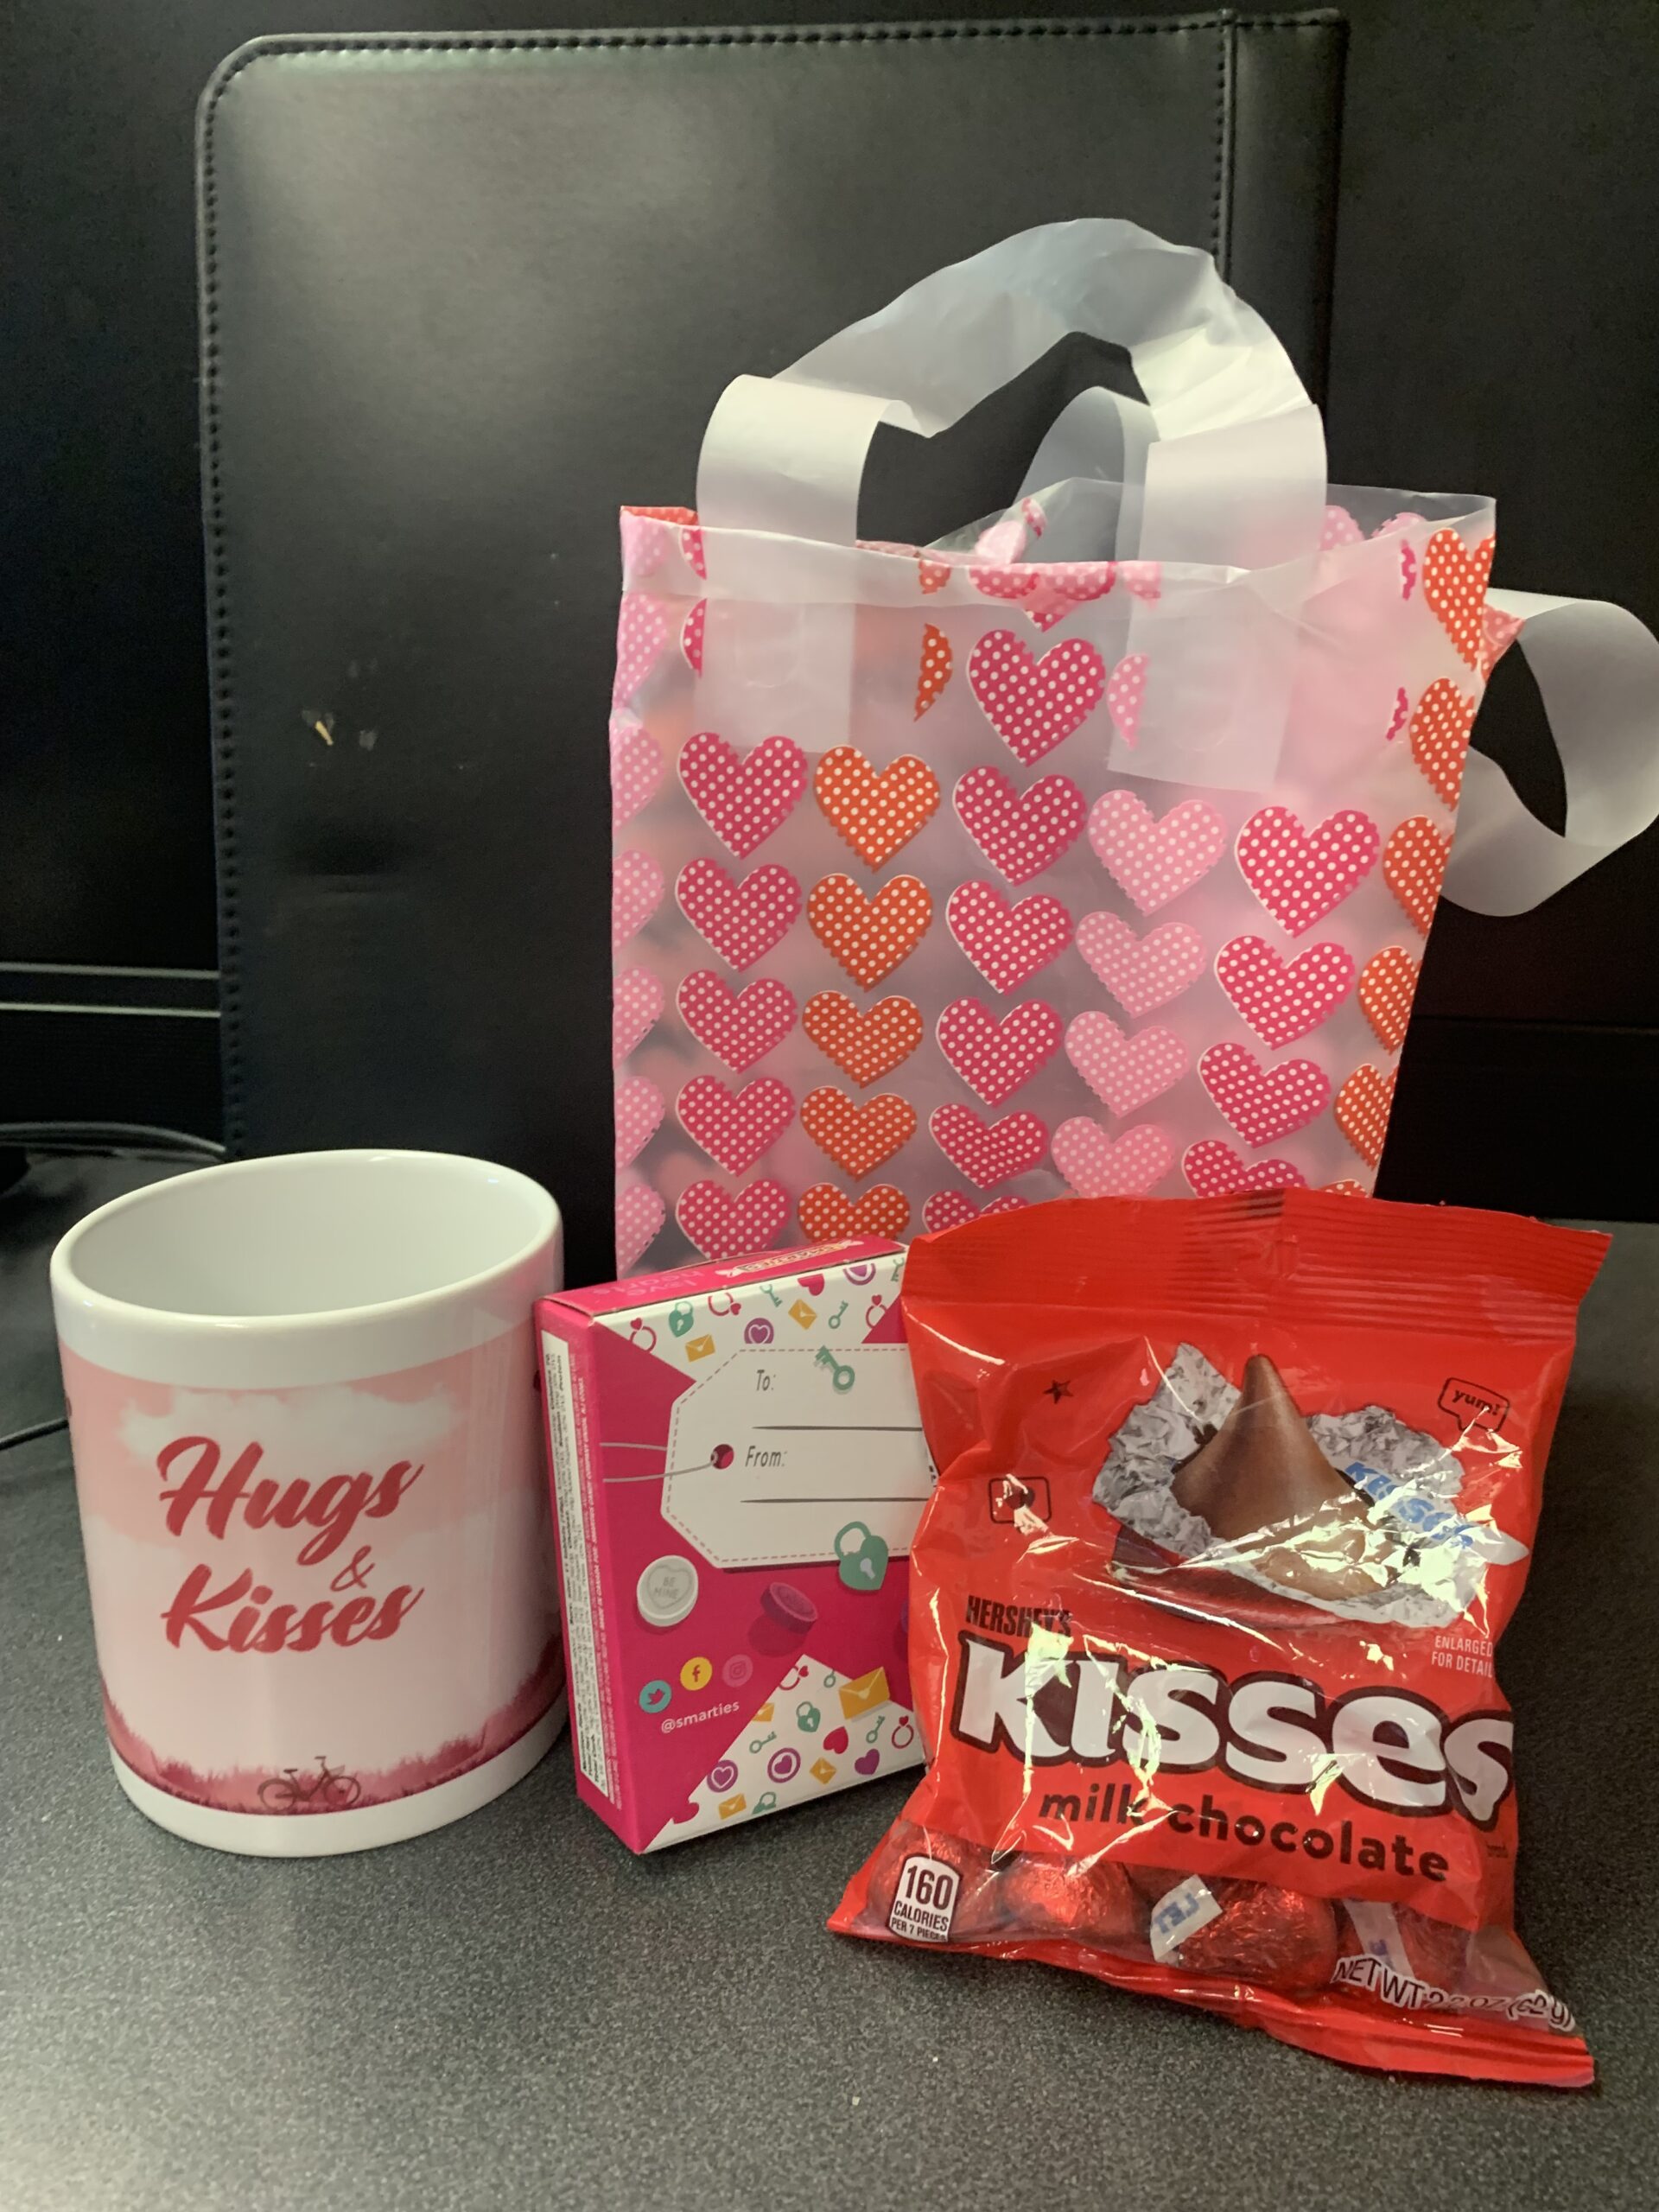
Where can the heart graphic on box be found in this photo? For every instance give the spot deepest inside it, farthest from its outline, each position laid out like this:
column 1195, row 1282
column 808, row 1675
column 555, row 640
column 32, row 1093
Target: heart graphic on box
column 1008, row 943
column 995, row 1056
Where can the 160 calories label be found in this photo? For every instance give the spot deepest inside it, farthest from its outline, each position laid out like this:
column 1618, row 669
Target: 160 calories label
column 926, row 1900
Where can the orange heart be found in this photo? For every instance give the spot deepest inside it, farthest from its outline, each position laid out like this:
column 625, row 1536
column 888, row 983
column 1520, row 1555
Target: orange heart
column 1362, row 1111
column 827, row 1212
column 1346, row 1188
column 869, row 936
column 857, row 1138
column 935, row 575
column 865, row 1046
column 1388, row 984
column 1414, row 861
column 1439, row 737
column 1454, row 584
column 937, row 665
column 876, row 814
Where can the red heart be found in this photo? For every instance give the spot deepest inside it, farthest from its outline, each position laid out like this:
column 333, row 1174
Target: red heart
column 1283, row 1000
column 737, row 1027
column 865, row 1045
column 989, row 1153
column 1362, row 1110
column 1299, row 875
column 1262, row 1103
column 995, row 1058
column 1454, row 584
column 950, row 1208
column 735, row 1131
column 726, row 1227
column 1388, row 984
column 827, row 1212
column 1439, row 737
column 742, row 921
column 812, row 1283
column 1019, row 833
column 1215, row 1170
column 857, row 1138
column 1414, row 865
column 742, row 796
column 1034, row 704
column 868, row 936
column 836, row 1742
column 878, row 814
column 1008, row 943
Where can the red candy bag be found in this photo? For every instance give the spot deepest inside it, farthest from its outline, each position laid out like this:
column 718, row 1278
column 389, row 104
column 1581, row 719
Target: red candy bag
column 1235, row 1498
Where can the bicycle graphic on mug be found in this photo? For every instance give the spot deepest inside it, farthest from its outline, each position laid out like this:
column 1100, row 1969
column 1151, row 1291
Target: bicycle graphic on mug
column 329, row 1791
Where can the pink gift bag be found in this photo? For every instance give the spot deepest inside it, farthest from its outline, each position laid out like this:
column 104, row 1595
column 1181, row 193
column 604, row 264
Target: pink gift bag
column 1092, row 849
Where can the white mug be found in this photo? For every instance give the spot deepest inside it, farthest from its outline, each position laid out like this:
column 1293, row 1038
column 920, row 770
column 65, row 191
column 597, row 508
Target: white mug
column 302, row 1406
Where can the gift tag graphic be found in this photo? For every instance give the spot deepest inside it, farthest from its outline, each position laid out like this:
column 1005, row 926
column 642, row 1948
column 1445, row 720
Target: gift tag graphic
column 743, row 797
column 1142, row 973
column 1097, row 1167
column 1008, row 943
column 1156, row 859
column 1034, row 704
column 1021, row 833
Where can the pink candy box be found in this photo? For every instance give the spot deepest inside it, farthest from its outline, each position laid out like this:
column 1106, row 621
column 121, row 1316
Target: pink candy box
column 737, row 1467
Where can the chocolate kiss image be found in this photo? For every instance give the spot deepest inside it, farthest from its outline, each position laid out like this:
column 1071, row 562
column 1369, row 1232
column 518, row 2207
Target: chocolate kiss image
column 1260, row 1473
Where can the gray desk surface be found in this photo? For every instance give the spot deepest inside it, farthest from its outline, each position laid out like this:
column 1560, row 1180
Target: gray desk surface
column 515, row 2012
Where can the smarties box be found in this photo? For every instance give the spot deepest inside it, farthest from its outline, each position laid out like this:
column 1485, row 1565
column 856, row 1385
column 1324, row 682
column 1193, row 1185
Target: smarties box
column 737, row 1467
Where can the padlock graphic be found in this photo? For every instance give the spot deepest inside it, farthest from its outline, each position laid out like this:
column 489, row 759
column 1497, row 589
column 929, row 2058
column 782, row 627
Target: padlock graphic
column 681, row 1320
column 808, row 1718
column 863, row 1557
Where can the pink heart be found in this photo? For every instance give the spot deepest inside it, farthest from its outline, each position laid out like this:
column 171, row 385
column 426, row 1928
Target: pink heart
column 868, row 1761
column 636, row 887
column 691, row 546
column 636, row 768
column 1140, row 972
column 742, row 796
column 742, row 921
column 1126, row 1071
column 1124, row 694
column 1004, row 540
column 989, row 1153
column 1008, row 944
column 1021, row 834
column 1065, row 586
column 1282, row 1000
column 736, row 1130
column 995, row 577
column 737, row 1027
column 640, row 629
column 645, row 546
column 639, row 1107
column 636, row 1006
column 1300, row 877
column 1032, row 510
column 1144, row 578
column 1498, row 633
column 691, row 635
column 950, row 1208
column 1155, row 860
column 1401, row 715
column 1215, row 1170
column 1035, row 704
column 1096, row 1167
column 1340, row 529
column 639, row 1213
column 726, row 1227
column 1262, row 1103
column 995, row 1058
column 836, row 1742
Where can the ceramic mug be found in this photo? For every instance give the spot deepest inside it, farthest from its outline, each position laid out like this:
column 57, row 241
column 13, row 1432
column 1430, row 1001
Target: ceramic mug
column 302, row 1407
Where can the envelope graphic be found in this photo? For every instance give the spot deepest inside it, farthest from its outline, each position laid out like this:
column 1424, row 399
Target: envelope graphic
column 730, row 1805
column 865, row 1693
column 824, row 1770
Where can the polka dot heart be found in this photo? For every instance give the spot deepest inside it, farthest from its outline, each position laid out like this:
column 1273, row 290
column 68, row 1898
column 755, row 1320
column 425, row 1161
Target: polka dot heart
column 1067, row 585
column 1155, row 860
column 691, row 548
column 995, row 1056
column 877, row 814
column 639, row 1109
column 933, row 575
column 1298, row 875
column 1141, row 972
column 636, row 1008
column 640, row 629
column 735, row 1130
column 1283, row 1000
column 1004, row 540
column 1498, row 633
column 1340, row 529
column 827, row 1213
column 742, row 921
column 1439, row 737
column 636, row 888
column 1214, row 1169
column 639, row 1216
column 857, row 1138
column 1019, row 833
column 1401, row 715
column 1144, row 578
column 645, row 546
column 742, row 796
column 1362, row 1111
column 997, row 578
column 1387, row 987
column 1346, row 1186
column 1124, row 694
column 636, row 768
column 1097, row 1167
column 865, row 1044
column 1127, row 1073
column 724, row 1226
column 1035, row 704
column 989, row 1153
column 691, row 636
column 950, row 1208
column 1413, row 866
column 936, row 664
column 1454, row 584
column 737, row 1027
column 869, row 936
column 1008, row 943
column 1262, row 1103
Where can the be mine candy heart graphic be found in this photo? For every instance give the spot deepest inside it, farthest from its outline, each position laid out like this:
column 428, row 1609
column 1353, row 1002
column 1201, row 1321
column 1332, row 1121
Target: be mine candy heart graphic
column 865, row 1045
column 950, row 1208
column 636, row 768
column 936, row 664
column 639, row 1109
column 995, row 1058
column 857, row 1138
column 1439, row 737
column 826, row 1212
column 639, row 1212
column 742, row 796
column 1387, row 987
column 1262, row 1103
column 1124, row 694
column 726, row 1227
column 878, row 814
column 1140, row 972
column 736, row 1130
column 737, row 1027
column 1282, row 1000
column 1096, row 1167
column 691, row 636
column 640, row 629
column 1035, row 704
column 742, row 921
column 1008, row 943
column 1155, row 860
column 636, row 1007
column 1126, row 1071
column 1414, row 865
column 1300, row 876
column 1454, row 584
column 1020, row 835
column 869, row 936
column 636, row 887
column 1214, row 1171
column 1362, row 1111
column 989, row 1153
